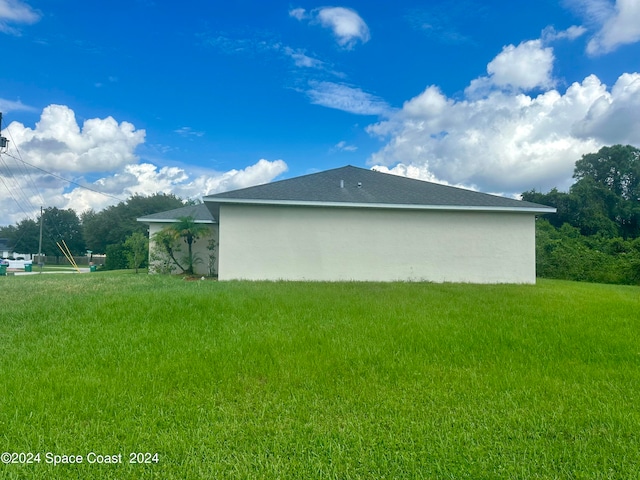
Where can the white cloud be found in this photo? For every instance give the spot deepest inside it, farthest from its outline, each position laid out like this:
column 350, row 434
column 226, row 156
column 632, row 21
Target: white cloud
column 500, row 137
column 614, row 117
column 188, row 132
column 621, row 26
column 7, row 106
column 16, row 12
column 550, row 34
column 419, row 172
column 507, row 142
column 58, row 143
column 347, row 26
column 596, row 11
column 615, row 23
column 298, row 13
column 148, row 179
column 521, row 68
column 259, row 173
column 38, row 188
column 343, row 146
column 262, row 47
column 303, row 60
column 346, row 98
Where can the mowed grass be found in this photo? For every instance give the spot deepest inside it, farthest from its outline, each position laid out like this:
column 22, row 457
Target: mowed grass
column 319, row 380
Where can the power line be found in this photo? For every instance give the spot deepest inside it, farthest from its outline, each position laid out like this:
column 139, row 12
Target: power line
column 25, row 170
column 14, row 198
column 66, row 179
column 9, row 176
column 3, row 144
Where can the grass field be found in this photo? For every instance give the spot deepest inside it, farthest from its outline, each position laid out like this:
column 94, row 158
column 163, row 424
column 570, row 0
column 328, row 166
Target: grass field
column 317, row 380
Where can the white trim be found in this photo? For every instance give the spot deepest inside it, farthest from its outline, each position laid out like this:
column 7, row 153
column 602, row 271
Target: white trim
column 170, row 220
column 399, row 206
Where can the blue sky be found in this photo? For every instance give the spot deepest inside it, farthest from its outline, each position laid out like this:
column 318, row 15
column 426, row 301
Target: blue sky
column 194, row 98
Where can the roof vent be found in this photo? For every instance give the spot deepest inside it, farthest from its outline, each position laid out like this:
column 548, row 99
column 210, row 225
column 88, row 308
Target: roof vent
column 359, row 184
column 341, row 183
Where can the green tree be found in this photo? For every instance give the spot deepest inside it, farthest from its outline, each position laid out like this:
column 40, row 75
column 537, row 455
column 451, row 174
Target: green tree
column 605, row 199
column 62, row 225
column 8, row 233
column 25, row 236
column 617, row 168
column 137, row 245
column 563, row 202
column 95, row 228
column 114, row 224
column 594, row 208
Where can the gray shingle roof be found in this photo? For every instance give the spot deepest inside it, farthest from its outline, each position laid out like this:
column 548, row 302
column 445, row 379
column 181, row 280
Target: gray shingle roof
column 353, row 186
column 200, row 213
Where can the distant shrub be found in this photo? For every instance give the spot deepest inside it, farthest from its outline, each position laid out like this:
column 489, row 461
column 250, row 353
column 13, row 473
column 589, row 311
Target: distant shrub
column 564, row 253
column 116, row 257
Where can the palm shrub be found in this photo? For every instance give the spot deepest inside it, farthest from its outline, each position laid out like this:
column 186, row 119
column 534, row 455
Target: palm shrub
column 170, row 239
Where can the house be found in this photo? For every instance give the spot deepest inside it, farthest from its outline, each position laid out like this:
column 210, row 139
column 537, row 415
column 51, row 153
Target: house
column 205, row 257
column 352, row 223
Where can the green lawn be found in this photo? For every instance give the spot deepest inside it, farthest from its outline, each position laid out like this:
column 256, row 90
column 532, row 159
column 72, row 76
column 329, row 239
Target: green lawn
column 318, row 380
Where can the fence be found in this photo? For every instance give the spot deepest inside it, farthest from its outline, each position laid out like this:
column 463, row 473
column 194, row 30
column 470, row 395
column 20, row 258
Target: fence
column 62, row 260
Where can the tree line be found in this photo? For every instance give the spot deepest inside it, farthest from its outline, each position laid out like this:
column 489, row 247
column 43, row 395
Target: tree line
column 103, row 232
column 595, row 234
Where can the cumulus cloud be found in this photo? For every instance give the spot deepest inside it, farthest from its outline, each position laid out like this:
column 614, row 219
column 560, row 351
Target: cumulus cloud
column 45, row 166
column 513, row 130
column 147, row 179
column 346, row 98
column 60, row 144
column 16, row 12
column 508, row 142
column 522, row 68
column 614, row 117
column 419, row 172
column 347, row 26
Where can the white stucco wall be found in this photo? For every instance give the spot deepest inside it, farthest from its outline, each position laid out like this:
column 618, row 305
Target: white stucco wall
column 314, row 243
column 199, row 249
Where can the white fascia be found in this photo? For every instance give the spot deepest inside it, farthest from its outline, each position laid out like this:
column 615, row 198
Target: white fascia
column 169, row 220
column 298, row 203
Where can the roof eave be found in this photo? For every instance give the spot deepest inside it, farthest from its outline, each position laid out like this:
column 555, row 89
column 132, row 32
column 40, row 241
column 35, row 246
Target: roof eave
column 395, row 206
column 170, row 220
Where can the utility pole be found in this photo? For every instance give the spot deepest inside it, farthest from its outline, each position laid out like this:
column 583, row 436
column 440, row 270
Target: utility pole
column 3, row 145
column 3, row 140
column 40, row 262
